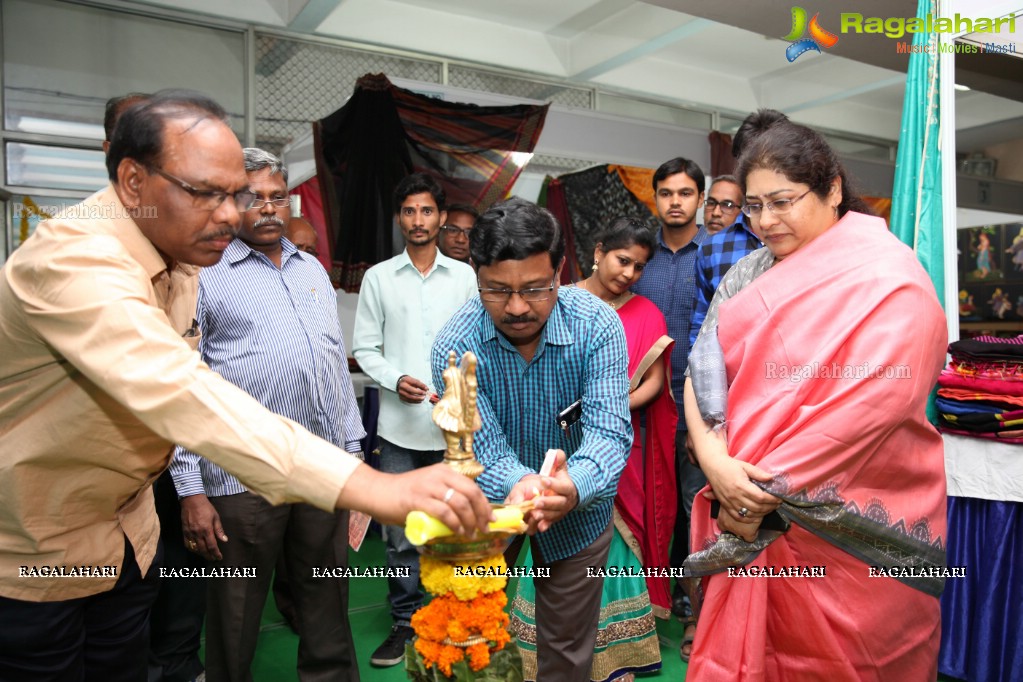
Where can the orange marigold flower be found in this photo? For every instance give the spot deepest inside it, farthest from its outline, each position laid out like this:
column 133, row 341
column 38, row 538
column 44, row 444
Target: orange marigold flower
column 479, row 656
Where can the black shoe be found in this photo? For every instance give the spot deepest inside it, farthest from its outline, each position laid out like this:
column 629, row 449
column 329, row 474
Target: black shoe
column 679, row 603
column 392, row 651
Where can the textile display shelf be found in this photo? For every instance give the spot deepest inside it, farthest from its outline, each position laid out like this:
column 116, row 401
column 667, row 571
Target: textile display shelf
column 982, row 613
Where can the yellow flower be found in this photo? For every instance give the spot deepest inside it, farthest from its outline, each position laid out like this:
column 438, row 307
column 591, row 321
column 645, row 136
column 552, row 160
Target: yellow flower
column 467, row 581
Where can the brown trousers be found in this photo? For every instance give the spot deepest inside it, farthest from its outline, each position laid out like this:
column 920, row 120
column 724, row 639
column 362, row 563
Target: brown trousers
column 567, row 609
column 308, row 537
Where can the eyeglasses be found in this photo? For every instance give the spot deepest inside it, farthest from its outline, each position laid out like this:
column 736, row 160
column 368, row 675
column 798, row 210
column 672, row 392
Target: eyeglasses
column 457, row 231
column 777, row 207
column 725, row 205
column 504, row 295
column 260, row 202
column 208, row 199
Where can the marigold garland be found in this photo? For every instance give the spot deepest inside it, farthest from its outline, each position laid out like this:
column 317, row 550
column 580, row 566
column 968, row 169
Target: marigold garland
column 469, row 603
column 465, row 580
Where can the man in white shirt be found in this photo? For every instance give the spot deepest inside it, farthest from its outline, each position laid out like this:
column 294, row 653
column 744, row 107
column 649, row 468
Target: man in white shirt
column 403, row 303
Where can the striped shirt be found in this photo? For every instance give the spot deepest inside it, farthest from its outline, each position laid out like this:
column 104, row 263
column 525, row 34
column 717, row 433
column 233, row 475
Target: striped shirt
column 581, row 355
column 275, row 334
column 669, row 280
column 716, row 257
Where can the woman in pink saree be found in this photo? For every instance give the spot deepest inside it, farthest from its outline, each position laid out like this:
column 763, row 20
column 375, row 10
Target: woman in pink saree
column 820, row 350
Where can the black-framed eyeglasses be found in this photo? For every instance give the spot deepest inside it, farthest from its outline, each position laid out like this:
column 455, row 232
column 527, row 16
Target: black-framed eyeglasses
column 504, row 295
column 455, row 231
column 260, row 202
column 725, row 205
column 207, row 199
column 777, row 207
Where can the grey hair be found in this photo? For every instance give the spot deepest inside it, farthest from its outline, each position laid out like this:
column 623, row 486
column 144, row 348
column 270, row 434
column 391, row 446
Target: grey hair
column 258, row 159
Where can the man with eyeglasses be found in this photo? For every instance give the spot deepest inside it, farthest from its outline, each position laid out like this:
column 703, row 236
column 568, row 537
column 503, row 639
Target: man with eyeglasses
column 552, row 375
column 454, row 234
column 269, row 325
column 403, row 302
column 732, row 239
column 99, row 378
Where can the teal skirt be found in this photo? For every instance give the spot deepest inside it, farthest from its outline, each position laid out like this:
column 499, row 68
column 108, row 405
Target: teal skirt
column 627, row 634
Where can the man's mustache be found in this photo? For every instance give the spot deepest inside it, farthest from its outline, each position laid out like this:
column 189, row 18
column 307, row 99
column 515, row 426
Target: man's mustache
column 269, row 220
column 221, row 233
column 518, row 319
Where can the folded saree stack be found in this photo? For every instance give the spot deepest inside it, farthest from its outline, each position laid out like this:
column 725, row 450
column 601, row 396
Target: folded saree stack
column 980, row 392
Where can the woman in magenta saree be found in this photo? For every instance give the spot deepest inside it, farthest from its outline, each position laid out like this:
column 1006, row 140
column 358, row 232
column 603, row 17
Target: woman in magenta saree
column 821, row 351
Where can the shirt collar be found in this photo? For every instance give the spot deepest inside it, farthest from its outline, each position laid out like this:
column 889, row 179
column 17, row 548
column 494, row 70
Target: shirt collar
column 238, row 251
column 440, row 261
column 740, row 224
column 698, row 238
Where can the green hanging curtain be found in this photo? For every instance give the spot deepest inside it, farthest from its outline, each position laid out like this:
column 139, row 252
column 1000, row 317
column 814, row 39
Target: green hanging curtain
column 916, row 216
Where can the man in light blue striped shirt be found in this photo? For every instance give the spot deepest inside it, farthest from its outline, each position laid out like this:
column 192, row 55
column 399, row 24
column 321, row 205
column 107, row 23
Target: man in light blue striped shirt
column 402, row 303
column 268, row 320
column 540, row 349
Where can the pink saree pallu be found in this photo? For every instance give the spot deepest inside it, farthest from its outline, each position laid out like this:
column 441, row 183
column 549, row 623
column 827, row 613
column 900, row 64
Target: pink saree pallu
column 830, row 357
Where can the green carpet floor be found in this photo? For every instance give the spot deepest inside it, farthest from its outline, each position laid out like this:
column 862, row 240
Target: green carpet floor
column 371, row 621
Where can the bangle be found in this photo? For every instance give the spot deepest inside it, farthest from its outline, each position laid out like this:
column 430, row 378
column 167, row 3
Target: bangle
column 397, row 385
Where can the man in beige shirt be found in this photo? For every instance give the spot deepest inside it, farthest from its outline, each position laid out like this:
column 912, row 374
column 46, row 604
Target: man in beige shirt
column 99, row 378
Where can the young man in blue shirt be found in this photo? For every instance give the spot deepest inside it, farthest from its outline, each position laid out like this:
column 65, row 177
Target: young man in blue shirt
column 669, row 280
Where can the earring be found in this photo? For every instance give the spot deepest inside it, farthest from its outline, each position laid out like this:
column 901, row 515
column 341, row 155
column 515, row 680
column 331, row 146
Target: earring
column 596, row 264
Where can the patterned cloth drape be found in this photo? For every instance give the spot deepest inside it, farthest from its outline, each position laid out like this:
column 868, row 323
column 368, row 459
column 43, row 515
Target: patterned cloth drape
column 385, row 132
column 593, row 198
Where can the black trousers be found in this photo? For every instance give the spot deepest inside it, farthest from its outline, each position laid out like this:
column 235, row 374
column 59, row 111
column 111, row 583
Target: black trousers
column 101, row 637
column 175, row 626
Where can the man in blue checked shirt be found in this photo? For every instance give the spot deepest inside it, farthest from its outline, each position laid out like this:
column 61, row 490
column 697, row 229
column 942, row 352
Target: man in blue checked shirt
column 731, row 239
column 268, row 318
column 541, row 349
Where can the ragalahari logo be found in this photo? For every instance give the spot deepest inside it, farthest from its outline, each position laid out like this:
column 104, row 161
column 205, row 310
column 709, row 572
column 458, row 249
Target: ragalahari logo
column 819, row 37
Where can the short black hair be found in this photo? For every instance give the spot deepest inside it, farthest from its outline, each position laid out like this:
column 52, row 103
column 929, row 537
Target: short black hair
column 515, row 229
column 680, row 165
column 139, row 133
column 754, row 124
column 468, row 209
column 626, row 232
column 117, row 106
column 418, row 183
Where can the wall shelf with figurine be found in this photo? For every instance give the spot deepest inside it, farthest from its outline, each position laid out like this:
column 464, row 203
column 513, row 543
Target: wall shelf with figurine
column 991, row 279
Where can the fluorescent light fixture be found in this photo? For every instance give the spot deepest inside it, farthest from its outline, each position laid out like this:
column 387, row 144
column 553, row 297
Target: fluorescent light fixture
column 962, row 88
column 49, row 126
